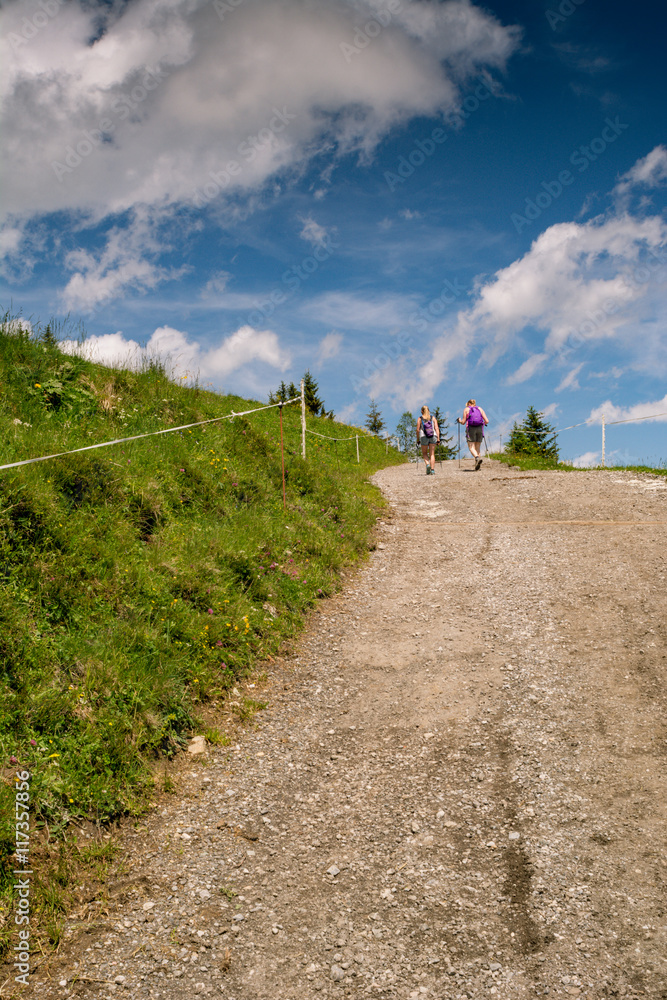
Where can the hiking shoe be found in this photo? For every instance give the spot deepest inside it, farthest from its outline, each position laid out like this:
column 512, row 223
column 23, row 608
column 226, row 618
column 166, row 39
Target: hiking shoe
column 428, row 471
column 478, row 462
column 432, row 472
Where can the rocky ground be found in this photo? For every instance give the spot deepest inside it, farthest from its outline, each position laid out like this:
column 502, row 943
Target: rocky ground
column 458, row 788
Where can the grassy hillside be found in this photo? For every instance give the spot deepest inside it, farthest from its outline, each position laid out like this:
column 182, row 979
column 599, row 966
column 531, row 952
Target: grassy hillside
column 527, row 462
column 140, row 580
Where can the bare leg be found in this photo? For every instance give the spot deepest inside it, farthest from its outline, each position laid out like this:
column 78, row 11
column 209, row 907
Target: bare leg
column 425, row 454
column 431, row 449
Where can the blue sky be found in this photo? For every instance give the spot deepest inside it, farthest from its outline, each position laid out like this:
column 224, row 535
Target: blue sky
column 420, row 201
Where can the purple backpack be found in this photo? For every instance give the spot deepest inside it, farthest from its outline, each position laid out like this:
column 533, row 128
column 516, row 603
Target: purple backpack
column 475, row 418
column 427, row 427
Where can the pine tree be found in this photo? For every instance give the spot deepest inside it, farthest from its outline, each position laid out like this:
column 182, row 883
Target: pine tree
column 292, row 391
column 48, row 337
column 535, row 436
column 406, row 432
column 445, row 449
column 374, row 421
column 310, row 389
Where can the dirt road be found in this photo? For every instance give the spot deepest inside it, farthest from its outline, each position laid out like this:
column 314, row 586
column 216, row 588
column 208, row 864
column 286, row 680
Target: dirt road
column 458, row 788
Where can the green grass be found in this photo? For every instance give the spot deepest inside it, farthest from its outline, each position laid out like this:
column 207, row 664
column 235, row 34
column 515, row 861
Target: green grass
column 138, row 582
column 527, row 462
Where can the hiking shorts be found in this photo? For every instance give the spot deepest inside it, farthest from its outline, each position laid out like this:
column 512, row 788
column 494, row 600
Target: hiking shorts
column 423, row 440
column 476, row 434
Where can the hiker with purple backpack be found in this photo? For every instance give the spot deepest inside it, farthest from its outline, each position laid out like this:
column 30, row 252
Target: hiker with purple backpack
column 428, row 435
column 475, row 420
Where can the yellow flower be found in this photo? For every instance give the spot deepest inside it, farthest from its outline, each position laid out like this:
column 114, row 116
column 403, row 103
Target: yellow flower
column 37, row 385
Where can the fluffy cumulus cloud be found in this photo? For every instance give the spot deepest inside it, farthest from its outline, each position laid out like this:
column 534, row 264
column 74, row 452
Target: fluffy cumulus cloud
column 184, row 101
column 577, row 282
column 655, row 410
column 245, row 360
column 580, row 283
column 127, row 260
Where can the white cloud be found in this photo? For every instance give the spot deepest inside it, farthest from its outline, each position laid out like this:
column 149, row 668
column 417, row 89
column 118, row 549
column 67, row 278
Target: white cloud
column 348, row 413
column 650, row 172
column 313, row 232
column 123, row 263
column 589, row 458
column 172, row 98
column 10, row 240
column 530, row 367
column 357, row 312
column 639, row 410
column 550, row 410
column 108, row 349
column 576, row 283
column 329, row 346
column 217, row 284
column 244, row 347
column 569, row 381
column 245, row 354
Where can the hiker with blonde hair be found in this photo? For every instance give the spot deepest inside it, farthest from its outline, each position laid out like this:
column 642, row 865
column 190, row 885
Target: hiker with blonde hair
column 475, row 420
column 428, row 435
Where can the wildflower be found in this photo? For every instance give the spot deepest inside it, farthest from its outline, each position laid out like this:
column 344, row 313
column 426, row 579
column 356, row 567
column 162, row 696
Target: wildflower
column 13, row 760
column 37, row 385
column 210, row 611
column 33, row 743
column 182, row 470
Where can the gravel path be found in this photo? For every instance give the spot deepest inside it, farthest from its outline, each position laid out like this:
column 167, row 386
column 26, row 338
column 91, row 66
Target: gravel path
column 458, row 788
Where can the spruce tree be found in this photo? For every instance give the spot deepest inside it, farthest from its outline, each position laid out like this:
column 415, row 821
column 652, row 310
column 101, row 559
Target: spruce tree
column 535, row 437
column 445, row 448
column 310, row 390
column 374, row 421
column 48, row 337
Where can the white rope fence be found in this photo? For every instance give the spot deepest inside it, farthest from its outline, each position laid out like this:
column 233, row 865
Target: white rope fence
column 610, row 423
column 355, row 437
column 137, row 437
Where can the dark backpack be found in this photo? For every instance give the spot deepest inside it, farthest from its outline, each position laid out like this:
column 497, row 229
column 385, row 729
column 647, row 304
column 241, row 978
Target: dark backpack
column 475, row 418
column 427, row 427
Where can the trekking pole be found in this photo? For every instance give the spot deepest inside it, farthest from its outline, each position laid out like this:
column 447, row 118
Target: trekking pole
column 458, row 423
